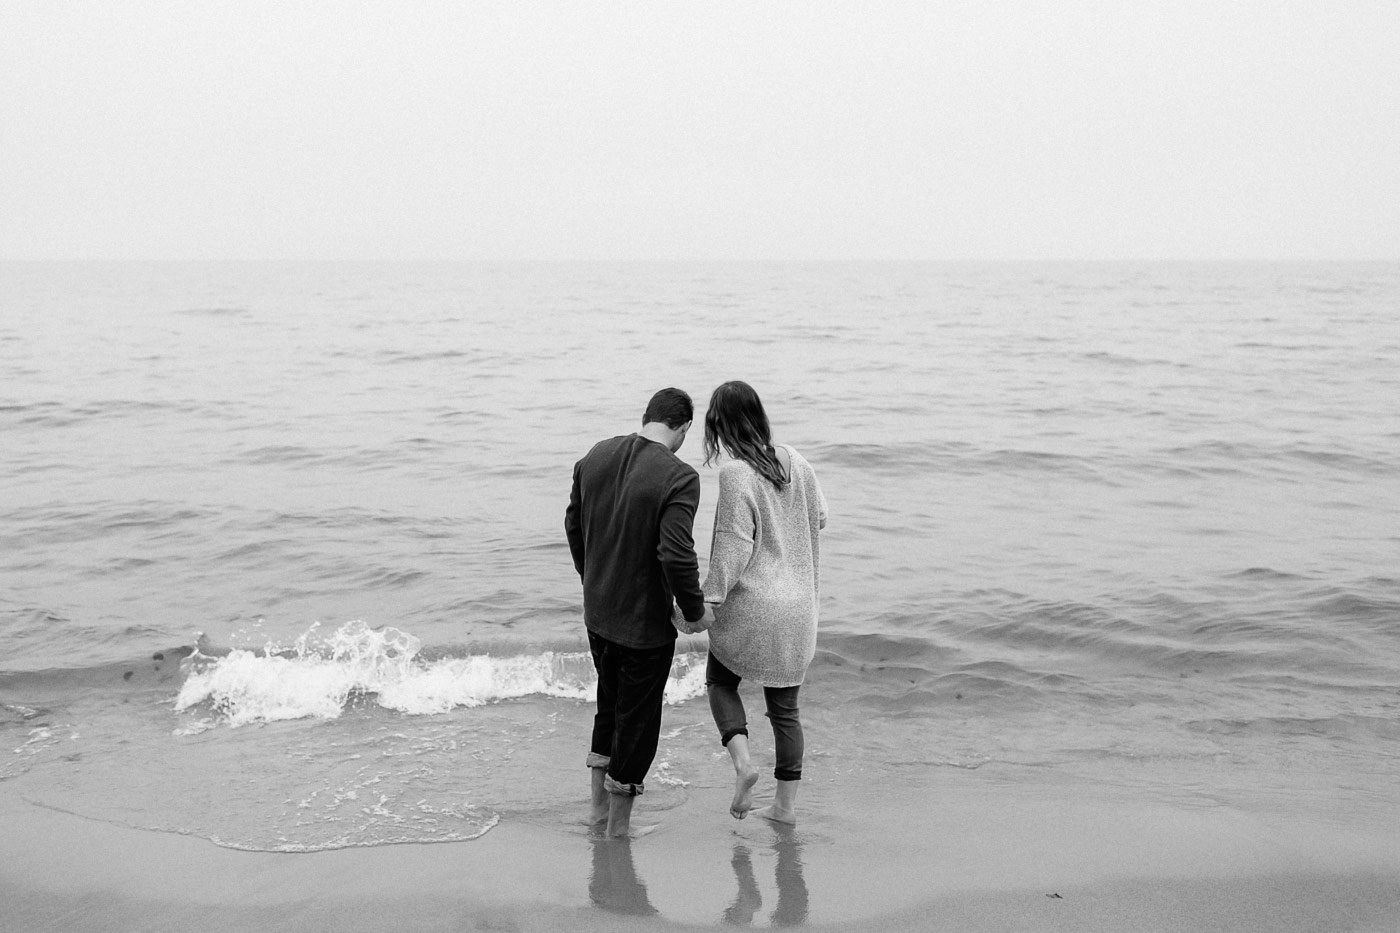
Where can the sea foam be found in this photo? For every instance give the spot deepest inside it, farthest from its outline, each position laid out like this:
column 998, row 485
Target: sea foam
column 317, row 679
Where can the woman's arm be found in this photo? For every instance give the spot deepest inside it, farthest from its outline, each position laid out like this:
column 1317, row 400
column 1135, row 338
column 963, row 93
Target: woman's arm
column 733, row 541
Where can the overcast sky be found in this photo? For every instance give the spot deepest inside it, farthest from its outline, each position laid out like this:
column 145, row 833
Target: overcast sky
column 672, row 130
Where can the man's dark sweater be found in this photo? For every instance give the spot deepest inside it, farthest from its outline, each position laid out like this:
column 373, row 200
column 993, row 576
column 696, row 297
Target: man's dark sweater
column 629, row 526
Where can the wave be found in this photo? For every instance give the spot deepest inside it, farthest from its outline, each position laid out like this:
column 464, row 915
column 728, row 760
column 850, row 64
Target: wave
column 34, row 737
column 277, row 453
column 901, row 459
column 1124, row 360
column 1239, row 456
column 999, row 648
column 1264, row 574
column 80, row 521
column 54, row 414
column 1282, row 462
column 1004, row 646
column 1346, row 726
column 399, row 356
column 215, row 312
column 385, row 667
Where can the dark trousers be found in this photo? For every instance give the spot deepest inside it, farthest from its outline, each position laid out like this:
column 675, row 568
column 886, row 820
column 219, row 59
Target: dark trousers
column 627, row 726
column 722, row 685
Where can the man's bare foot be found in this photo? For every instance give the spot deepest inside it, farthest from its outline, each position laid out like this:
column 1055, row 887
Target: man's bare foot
column 620, row 825
column 598, row 805
column 783, row 809
column 744, row 780
column 632, row 831
column 774, row 815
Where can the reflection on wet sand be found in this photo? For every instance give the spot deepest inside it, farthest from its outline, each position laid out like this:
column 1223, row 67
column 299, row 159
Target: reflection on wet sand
column 791, row 909
column 748, row 900
column 792, row 887
column 614, row 884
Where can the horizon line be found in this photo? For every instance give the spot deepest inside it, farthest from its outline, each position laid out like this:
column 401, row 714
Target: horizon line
column 634, row 260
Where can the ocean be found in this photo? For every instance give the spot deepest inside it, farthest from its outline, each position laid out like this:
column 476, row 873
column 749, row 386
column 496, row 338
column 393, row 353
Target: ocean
column 282, row 561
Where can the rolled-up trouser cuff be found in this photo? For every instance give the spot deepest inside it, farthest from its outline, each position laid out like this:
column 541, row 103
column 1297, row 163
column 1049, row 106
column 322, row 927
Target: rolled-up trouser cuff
column 780, row 774
column 596, row 760
column 622, row 790
column 728, row 734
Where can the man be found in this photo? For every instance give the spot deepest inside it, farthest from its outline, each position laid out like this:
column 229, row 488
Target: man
column 629, row 526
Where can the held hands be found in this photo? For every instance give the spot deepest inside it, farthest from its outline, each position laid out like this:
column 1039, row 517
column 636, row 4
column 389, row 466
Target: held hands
column 692, row 628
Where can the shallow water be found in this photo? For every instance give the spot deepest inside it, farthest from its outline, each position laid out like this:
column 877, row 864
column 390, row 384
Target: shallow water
column 1134, row 523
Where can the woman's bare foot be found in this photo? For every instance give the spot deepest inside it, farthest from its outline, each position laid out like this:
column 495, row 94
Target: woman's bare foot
column 744, row 780
column 745, row 775
column 748, row 899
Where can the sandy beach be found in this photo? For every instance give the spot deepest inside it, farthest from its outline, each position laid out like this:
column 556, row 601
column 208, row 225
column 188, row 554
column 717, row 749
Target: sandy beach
column 977, row 855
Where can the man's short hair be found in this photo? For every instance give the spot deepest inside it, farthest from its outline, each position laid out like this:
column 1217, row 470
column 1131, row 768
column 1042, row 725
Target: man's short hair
column 671, row 407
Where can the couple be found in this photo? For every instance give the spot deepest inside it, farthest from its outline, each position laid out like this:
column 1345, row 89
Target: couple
column 629, row 524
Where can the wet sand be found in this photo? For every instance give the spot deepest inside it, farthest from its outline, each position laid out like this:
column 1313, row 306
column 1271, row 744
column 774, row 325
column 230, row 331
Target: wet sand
column 976, row 855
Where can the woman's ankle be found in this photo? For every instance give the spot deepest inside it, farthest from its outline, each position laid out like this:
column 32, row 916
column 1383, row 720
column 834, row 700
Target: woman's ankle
column 738, row 747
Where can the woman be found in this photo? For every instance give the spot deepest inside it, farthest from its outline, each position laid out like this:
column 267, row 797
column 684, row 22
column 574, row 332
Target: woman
column 762, row 582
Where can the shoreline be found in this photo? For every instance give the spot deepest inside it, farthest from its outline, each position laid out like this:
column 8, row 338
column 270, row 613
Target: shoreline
column 977, row 855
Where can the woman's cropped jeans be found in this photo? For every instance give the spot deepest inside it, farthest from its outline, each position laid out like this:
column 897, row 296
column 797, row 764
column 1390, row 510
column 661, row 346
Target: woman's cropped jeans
column 722, row 685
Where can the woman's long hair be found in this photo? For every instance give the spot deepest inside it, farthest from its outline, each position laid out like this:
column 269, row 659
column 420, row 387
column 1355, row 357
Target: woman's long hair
column 736, row 421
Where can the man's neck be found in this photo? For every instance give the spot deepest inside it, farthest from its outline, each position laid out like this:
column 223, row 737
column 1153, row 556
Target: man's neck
column 659, row 432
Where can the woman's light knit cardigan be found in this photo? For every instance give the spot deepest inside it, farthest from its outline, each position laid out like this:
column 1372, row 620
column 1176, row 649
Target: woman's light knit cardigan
column 764, row 560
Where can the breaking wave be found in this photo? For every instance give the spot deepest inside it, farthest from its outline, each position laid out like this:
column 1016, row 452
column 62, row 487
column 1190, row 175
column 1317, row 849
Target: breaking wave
column 319, row 678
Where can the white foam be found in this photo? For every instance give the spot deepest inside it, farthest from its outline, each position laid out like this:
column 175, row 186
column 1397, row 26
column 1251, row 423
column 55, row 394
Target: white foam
column 316, row 680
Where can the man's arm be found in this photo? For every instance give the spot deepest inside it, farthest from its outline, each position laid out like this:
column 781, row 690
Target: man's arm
column 676, row 548
column 573, row 522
